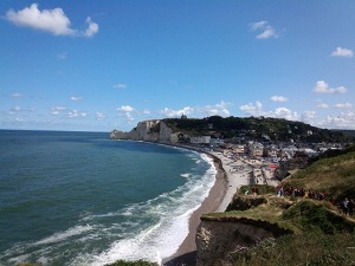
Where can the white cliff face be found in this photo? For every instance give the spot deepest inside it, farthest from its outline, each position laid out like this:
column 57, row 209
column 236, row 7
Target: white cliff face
column 151, row 130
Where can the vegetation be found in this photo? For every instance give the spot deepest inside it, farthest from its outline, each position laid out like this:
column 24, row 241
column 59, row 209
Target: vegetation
column 274, row 129
column 335, row 176
column 322, row 234
column 310, row 248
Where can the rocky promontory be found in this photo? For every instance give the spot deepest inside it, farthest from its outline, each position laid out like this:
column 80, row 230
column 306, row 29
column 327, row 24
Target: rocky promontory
column 151, row 130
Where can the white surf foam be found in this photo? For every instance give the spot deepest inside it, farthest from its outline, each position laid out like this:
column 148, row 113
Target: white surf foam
column 173, row 210
column 61, row 236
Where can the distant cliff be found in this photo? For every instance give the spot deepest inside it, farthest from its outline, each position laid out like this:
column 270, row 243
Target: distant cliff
column 151, row 130
column 255, row 128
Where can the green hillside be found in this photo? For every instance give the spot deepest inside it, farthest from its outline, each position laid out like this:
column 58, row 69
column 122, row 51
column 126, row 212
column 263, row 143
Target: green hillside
column 257, row 127
column 321, row 233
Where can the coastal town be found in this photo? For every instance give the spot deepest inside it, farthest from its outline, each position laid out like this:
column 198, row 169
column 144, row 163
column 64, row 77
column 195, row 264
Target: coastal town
column 247, row 160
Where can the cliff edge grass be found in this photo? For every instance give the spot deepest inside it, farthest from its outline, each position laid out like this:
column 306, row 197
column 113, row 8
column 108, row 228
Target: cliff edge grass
column 303, row 231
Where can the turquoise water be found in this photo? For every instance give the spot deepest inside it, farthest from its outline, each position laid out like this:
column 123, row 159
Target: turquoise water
column 69, row 198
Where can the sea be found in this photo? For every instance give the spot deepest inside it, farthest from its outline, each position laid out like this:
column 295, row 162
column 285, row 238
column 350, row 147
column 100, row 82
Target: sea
column 79, row 198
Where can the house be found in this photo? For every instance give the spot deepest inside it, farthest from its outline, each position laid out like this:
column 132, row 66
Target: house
column 200, row 140
column 240, row 149
column 256, row 149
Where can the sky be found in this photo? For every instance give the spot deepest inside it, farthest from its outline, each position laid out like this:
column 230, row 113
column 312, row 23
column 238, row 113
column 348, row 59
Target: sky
column 103, row 65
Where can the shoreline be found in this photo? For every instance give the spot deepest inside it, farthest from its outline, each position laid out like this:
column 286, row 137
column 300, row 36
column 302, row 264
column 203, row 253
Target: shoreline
column 220, row 195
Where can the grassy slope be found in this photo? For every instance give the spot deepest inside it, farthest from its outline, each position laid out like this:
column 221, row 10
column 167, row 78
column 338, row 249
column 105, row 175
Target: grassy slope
column 322, row 235
column 335, row 176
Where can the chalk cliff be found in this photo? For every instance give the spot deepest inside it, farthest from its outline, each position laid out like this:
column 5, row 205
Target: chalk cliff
column 151, row 130
column 217, row 238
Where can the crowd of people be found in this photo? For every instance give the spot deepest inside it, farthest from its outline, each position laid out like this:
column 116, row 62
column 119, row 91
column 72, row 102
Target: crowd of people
column 347, row 206
column 300, row 192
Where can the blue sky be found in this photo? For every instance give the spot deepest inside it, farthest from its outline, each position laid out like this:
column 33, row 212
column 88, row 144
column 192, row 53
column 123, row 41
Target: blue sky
column 102, row 65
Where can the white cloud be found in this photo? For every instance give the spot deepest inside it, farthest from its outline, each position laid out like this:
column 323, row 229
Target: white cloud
column 257, row 110
column 125, row 109
column 75, row 98
column 323, row 87
column 279, row 99
column 283, row 112
column 220, row 109
column 252, row 109
column 120, row 86
column 177, row 113
column 344, row 120
column 75, row 114
column 343, row 105
column 57, row 110
column 323, row 105
column 53, row 21
column 146, row 112
column 92, row 29
column 17, row 95
column 265, row 29
column 100, row 116
column 342, row 52
column 308, row 116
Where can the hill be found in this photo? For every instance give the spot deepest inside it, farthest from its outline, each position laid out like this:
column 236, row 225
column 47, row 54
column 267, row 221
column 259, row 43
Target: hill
column 273, row 129
column 305, row 226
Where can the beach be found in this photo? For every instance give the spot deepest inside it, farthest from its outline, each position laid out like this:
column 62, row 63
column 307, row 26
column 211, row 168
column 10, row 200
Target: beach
column 231, row 174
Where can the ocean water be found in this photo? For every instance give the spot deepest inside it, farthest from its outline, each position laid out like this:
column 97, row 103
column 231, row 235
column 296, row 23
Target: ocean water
column 79, row 198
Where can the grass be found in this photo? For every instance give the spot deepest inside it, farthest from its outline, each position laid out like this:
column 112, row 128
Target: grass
column 335, row 175
column 322, row 235
column 311, row 248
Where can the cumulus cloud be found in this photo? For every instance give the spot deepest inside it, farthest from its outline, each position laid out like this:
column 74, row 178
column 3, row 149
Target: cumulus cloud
column 283, row 112
column 342, row 52
column 127, row 111
column 76, row 114
column 146, row 112
column 265, row 30
column 343, row 105
column 279, row 99
column 323, row 105
column 57, row 110
column 53, row 21
column 177, row 113
column 92, row 29
column 343, row 120
column 120, row 86
column 220, row 109
column 256, row 109
column 75, row 98
column 252, row 109
column 323, row 87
